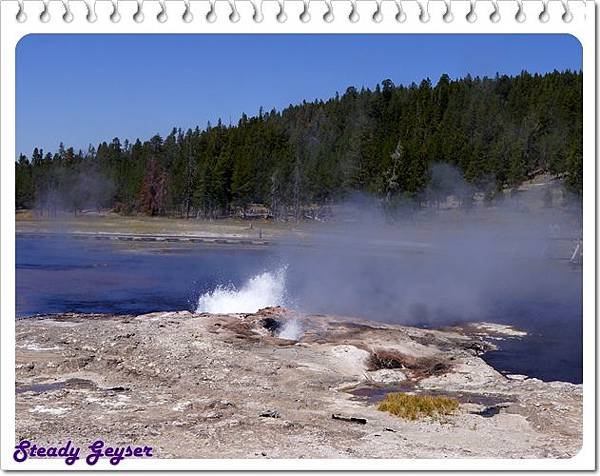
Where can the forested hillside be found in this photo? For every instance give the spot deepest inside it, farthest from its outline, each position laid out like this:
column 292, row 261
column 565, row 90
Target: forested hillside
column 497, row 131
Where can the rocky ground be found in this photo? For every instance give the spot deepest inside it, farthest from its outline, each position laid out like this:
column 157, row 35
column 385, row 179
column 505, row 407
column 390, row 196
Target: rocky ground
column 227, row 386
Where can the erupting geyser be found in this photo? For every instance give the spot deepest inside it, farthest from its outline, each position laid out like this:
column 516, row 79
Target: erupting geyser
column 263, row 290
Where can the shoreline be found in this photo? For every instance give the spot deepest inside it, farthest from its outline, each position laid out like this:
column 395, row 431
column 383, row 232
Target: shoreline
column 154, row 238
column 170, row 376
column 417, row 237
column 139, row 225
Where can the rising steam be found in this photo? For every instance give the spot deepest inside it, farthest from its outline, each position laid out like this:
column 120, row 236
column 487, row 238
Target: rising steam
column 456, row 257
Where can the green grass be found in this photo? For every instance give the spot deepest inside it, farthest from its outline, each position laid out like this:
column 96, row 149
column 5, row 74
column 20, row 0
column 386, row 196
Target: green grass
column 413, row 407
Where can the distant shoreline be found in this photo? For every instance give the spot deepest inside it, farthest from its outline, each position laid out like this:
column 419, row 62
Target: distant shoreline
column 126, row 237
column 116, row 228
column 140, row 230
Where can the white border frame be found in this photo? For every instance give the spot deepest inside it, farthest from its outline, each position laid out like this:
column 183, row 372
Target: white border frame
column 582, row 27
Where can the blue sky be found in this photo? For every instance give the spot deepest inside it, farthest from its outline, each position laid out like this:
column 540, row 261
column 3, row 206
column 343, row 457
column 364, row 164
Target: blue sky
column 82, row 89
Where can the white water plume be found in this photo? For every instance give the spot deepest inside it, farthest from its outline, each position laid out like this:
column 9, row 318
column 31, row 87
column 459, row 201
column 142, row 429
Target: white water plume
column 292, row 330
column 262, row 290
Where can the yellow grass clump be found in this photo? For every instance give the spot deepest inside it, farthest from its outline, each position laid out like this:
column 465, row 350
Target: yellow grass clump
column 413, row 407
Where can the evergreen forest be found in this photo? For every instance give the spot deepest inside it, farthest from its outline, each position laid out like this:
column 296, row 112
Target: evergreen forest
column 498, row 132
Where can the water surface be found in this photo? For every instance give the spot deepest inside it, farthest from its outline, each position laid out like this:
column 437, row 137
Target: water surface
column 65, row 275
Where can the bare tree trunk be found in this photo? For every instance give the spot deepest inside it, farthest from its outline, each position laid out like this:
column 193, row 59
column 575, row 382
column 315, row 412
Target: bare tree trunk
column 189, row 182
column 297, row 191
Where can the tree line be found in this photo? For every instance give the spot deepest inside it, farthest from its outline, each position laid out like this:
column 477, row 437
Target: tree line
column 497, row 131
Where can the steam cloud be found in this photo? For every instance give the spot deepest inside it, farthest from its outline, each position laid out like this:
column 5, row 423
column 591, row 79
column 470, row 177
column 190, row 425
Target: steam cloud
column 460, row 258
column 73, row 191
column 438, row 265
column 457, row 259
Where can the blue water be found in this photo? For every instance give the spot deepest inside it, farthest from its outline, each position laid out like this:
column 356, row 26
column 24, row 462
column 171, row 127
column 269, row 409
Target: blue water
column 65, row 275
